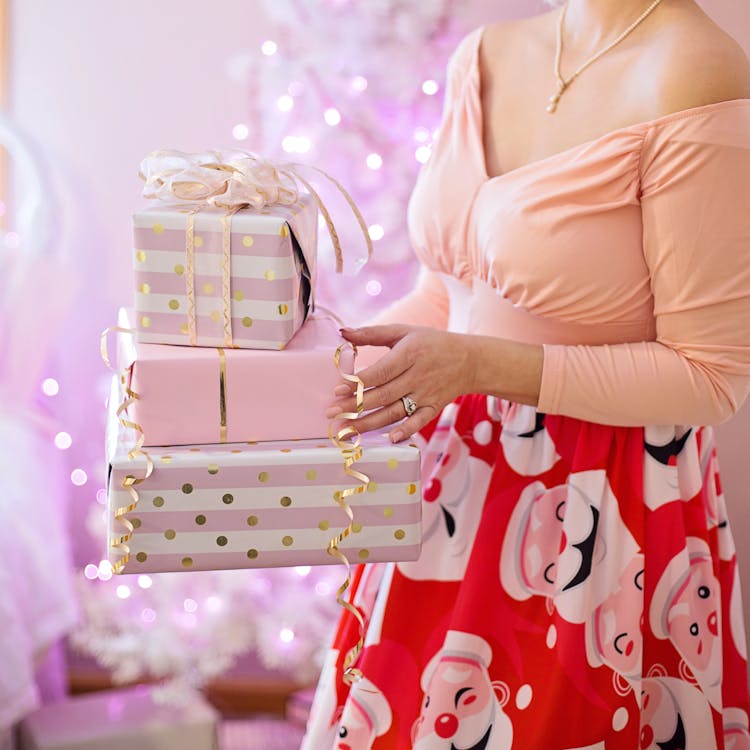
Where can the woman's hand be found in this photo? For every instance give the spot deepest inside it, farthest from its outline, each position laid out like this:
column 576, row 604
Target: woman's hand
column 432, row 367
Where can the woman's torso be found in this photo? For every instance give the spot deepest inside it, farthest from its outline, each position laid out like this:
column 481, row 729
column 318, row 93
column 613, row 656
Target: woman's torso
column 549, row 250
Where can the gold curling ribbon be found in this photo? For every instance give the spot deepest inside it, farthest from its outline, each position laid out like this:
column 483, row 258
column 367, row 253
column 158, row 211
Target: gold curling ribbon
column 226, row 272
column 349, row 442
column 222, row 395
column 129, row 482
column 294, row 175
column 190, row 274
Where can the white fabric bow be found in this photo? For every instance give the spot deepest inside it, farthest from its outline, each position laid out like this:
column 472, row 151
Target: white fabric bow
column 233, row 179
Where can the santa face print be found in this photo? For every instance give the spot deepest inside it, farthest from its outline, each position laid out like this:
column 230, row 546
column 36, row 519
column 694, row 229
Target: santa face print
column 550, row 562
column 686, row 609
column 666, row 476
column 356, row 731
column 366, row 717
column 614, row 632
column 453, row 484
column 674, row 716
column 527, row 446
column 461, row 709
column 736, row 735
column 694, row 619
column 567, row 543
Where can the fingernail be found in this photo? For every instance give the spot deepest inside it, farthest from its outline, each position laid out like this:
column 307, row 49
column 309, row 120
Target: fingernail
column 346, row 329
column 397, row 436
column 341, row 390
column 332, row 411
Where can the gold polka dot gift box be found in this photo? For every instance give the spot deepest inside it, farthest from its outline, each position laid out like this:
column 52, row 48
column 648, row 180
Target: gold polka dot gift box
column 247, row 505
column 215, row 395
column 210, row 276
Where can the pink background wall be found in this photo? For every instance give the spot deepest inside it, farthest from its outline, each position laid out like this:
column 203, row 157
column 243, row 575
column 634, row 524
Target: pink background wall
column 95, row 86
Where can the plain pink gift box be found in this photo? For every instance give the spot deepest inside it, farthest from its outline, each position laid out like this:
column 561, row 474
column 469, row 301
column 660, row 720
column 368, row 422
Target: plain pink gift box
column 125, row 719
column 268, row 395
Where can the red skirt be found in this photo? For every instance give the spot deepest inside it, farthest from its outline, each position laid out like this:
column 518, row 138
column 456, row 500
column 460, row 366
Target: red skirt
column 577, row 589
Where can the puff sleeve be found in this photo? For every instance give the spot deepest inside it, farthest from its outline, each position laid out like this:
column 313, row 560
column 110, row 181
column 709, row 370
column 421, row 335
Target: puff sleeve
column 695, row 201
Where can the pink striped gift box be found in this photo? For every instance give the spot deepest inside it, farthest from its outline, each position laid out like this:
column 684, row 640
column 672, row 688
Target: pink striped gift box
column 249, row 505
column 271, row 271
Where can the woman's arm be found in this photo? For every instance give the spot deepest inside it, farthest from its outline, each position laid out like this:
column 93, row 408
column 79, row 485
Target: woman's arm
column 695, row 200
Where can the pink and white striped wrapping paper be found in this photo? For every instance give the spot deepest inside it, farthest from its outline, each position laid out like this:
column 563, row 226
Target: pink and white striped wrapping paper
column 272, row 270
column 242, row 505
column 268, row 395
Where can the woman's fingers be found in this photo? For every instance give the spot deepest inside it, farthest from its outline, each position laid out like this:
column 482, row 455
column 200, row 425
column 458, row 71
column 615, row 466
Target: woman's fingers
column 387, row 335
column 377, row 398
column 421, row 418
column 378, row 419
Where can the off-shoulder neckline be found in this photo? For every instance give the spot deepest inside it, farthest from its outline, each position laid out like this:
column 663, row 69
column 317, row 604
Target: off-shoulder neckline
column 634, row 128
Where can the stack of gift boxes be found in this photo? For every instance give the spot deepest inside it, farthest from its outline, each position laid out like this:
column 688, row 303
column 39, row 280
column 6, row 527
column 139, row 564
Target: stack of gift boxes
column 218, row 445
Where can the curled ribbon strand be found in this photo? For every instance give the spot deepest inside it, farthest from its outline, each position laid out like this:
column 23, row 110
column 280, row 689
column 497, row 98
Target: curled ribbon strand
column 130, row 481
column 349, row 442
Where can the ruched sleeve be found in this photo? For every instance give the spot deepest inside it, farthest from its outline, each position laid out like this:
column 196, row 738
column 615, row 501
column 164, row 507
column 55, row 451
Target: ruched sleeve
column 695, row 200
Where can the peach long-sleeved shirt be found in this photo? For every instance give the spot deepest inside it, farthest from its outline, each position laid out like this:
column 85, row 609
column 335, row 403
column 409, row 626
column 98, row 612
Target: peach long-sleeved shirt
column 627, row 257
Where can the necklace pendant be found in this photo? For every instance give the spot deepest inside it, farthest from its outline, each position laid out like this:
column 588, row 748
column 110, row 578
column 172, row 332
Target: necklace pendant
column 555, row 98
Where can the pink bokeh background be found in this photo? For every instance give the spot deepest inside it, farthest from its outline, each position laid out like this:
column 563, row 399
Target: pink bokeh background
column 95, row 86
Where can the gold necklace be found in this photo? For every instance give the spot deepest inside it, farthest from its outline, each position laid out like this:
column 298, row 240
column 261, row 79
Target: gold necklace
column 563, row 84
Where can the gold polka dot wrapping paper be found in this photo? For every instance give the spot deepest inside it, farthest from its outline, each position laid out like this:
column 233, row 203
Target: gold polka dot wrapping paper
column 208, row 276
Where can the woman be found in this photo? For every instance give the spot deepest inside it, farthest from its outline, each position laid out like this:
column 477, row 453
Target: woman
column 582, row 318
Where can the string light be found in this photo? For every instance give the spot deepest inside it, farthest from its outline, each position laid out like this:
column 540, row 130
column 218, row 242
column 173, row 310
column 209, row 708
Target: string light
column 63, row 441
column 78, row 477
column 286, row 635
column 144, row 581
column 430, row 87
column 296, row 144
column 50, row 387
column 240, row 131
column 373, row 287
column 148, row 614
column 422, row 154
column 91, row 572
column 101, row 496
column 375, row 231
column 374, row 161
column 123, row 591
column 190, row 605
column 269, row 47
column 359, row 83
column 285, row 103
column 332, row 116
column 105, row 570
column 322, row 588
column 302, row 570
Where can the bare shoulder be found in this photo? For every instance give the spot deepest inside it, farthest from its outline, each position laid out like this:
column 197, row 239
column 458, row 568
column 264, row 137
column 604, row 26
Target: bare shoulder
column 702, row 63
column 507, row 42
column 499, row 35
